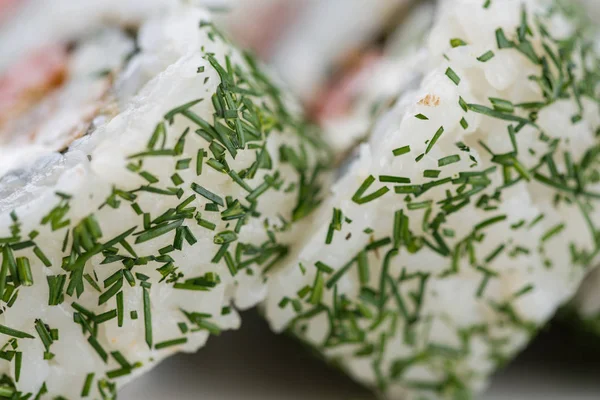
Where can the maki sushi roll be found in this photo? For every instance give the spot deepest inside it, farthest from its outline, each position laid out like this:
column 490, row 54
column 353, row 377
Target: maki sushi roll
column 468, row 217
column 143, row 234
column 368, row 83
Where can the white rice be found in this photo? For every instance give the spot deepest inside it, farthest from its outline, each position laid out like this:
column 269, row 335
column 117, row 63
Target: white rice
column 451, row 290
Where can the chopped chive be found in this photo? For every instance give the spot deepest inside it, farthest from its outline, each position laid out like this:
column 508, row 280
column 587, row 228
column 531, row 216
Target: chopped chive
column 502, row 41
column 169, row 343
column 358, row 196
column 523, row 291
column 159, row 132
column 463, row 104
column 335, row 225
column 41, row 256
column 420, row 205
column 24, row 271
column 120, row 313
column 183, row 164
column 304, row 291
column 157, row 231
column 408, row 189
column 116, row 373
column 225, row 237
column 363, row 267
column 489, row 222
column 171, row 114
column 220, row 253
column 87, row 385
column 205, row 223
column 149, row 177
column 317, row 289
column 147, row 317
column 208, row 194
column 5, row 330
column 431, row 173
column 112, row 291
column 401, row 150
column 393, row 179
column 485, row 57
column 92, row 282
column 435, row 138
column 18, row 364
column 502, row 105
column 176, row 179
column 323, row 267
column 211, row 207
column 199, row 161
column 453, row 76
column 99, row 350
column 234, row 175
column 384, row 276
column 552, row 232
column 107, row 316
column 456, row 42
column 153, row 153
column 338, row 274
column 448, row 160
column 494, row 253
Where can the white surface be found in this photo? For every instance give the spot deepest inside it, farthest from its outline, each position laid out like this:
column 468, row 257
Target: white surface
column 253, row 364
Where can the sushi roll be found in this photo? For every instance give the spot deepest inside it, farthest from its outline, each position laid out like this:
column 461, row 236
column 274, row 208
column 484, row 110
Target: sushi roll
column 142, row 235
column 368, row 83
column 467, row 218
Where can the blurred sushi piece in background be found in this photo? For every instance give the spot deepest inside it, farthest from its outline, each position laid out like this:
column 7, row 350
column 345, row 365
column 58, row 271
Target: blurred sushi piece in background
column 368, row 83
column 52, row 96
column 308, row 42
